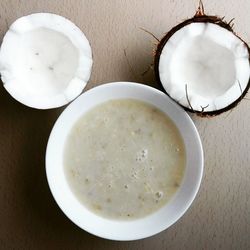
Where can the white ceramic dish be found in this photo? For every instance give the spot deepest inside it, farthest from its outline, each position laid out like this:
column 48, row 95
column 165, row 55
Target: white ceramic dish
column 134, row 229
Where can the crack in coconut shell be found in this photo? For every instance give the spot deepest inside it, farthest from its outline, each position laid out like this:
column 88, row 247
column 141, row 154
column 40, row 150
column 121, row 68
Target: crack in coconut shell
column 200, row 17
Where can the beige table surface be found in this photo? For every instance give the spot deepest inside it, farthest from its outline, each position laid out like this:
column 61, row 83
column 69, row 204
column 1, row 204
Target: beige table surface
column 29, row 217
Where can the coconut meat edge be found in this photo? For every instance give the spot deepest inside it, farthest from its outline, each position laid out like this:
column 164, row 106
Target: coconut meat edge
column 45, row 60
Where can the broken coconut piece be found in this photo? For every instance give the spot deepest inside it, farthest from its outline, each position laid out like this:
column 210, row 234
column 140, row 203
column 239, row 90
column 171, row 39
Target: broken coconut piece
column 45, row 60
column 203, row 65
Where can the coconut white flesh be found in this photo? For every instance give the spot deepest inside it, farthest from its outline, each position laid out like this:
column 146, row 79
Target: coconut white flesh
column 206, row 63
column 45, row 60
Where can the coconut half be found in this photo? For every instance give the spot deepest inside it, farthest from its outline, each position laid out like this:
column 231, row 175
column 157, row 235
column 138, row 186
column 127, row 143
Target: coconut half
column 203, row 65
column 45, row 60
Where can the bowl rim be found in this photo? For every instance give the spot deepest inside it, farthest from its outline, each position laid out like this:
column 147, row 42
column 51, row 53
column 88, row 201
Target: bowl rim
column 194, row 186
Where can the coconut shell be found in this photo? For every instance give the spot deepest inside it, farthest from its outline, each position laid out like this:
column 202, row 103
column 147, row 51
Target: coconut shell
column 199, row 17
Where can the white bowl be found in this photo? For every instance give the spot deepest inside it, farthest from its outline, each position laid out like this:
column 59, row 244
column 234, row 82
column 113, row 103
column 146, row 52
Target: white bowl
column 114, row 229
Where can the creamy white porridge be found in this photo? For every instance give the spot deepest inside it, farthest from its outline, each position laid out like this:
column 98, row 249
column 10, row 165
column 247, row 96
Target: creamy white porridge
column 124, row 159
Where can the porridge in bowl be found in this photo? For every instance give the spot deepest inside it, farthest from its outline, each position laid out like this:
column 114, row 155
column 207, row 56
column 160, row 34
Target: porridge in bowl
column 124, row 159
